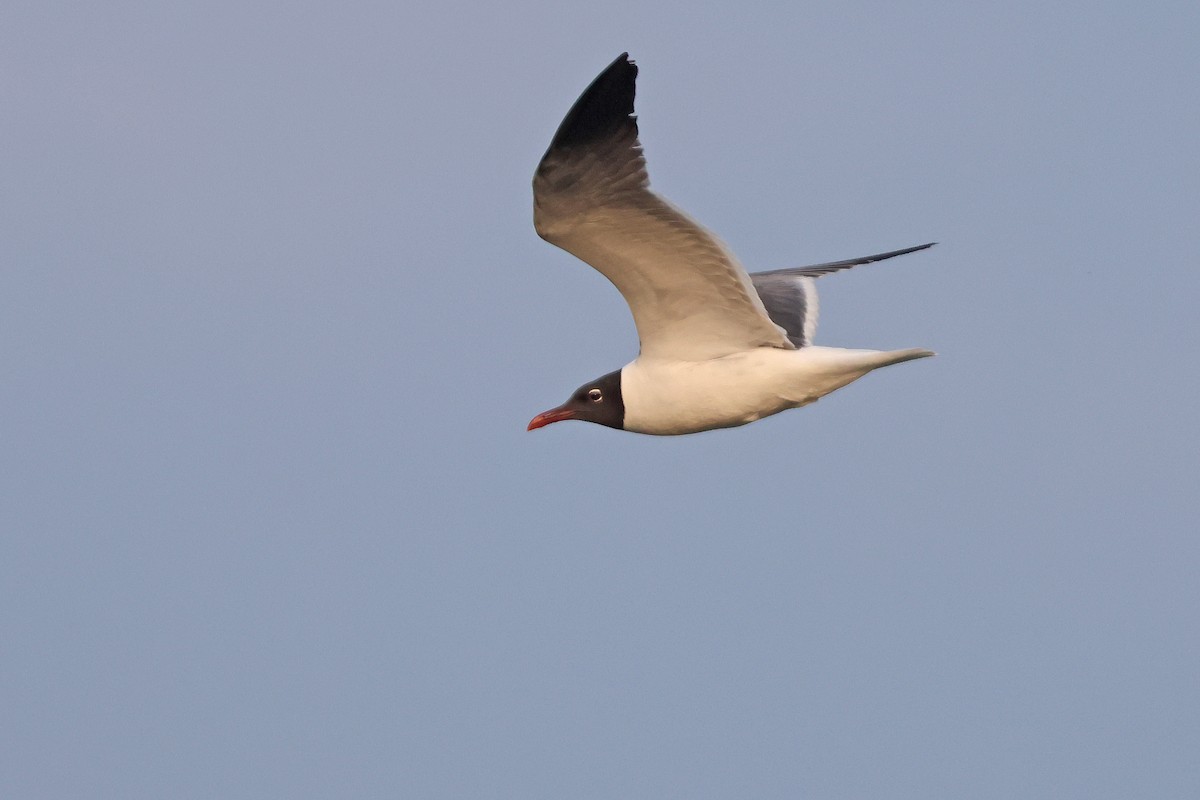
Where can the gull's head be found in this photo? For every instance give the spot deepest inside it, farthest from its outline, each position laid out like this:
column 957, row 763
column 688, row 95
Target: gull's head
column 598, row 401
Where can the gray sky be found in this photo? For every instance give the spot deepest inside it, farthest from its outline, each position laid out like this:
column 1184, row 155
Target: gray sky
column 275, row 317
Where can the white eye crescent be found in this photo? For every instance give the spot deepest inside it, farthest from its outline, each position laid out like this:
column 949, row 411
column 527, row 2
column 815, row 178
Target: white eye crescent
column 595, row 395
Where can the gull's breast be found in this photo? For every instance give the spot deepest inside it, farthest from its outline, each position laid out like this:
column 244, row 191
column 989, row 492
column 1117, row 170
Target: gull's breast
column 668, row 397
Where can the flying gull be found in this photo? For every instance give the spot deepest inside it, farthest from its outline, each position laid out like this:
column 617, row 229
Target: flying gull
column 719, row 347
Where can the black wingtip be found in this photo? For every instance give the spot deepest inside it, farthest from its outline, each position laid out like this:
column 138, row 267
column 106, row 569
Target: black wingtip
column 605, row 107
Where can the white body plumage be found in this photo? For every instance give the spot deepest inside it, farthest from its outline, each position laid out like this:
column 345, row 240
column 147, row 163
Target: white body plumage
column 669, row 397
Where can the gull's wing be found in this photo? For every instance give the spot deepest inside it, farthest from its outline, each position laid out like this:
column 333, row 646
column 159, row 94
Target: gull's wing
column 790, row 295
column 691, row 300
column 816, row 270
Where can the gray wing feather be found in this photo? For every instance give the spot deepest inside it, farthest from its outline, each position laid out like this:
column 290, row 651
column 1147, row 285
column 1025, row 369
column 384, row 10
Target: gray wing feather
column 816, row 270
column 791, row 303
column 790, row 294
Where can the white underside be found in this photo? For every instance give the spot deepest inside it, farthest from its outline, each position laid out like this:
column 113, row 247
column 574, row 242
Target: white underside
column 667, row 397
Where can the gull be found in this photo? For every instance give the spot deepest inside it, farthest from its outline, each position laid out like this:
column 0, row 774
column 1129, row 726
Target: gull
column 719, row 347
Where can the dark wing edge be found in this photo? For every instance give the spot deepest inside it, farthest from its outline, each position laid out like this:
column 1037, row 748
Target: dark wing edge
column 603, row 111
column 594, row 156
column 816, row 270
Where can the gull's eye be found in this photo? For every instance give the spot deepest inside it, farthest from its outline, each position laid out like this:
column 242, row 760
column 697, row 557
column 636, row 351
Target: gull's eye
column 595, row 396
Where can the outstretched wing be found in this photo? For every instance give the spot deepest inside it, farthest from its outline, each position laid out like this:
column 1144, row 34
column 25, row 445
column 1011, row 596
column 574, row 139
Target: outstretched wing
column 691, row 300
column 817, row 270
column 790, row 295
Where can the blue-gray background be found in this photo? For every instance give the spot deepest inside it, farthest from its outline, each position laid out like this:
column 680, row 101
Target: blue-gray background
column 273, row 318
